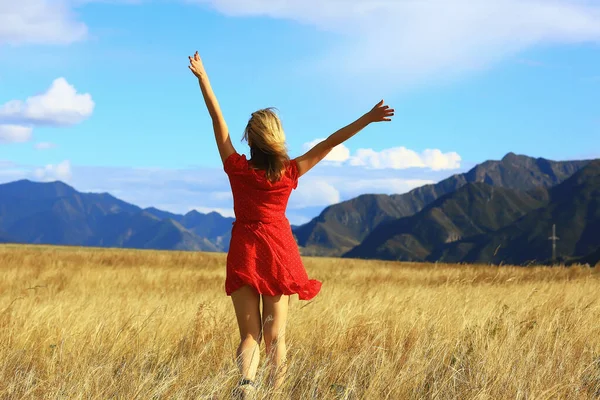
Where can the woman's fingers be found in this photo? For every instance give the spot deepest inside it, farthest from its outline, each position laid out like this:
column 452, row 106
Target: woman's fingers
column 193, row 62
column 382, row 112
column 387, row 112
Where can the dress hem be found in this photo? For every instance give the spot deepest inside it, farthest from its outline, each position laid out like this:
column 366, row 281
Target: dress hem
column 317, row 284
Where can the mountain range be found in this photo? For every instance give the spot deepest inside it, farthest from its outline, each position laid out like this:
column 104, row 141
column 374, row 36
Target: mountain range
column 480, row 223
column 573, row 207
column 55, row 213
column 341, row 227
column 474, row 209
column 497, row 212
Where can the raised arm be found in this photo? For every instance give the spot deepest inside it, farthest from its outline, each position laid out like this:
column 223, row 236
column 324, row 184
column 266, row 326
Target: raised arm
column 219, row 125
column 320, row 150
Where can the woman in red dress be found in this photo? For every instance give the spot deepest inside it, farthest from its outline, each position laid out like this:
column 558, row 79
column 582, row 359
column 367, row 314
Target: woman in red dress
column 263, row 258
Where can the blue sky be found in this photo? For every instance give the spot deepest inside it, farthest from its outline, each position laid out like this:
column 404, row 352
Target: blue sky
column 98, row 94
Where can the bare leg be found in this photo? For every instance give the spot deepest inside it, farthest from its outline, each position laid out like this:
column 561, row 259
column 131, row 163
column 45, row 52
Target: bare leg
column 246, row 301
column 275, row 311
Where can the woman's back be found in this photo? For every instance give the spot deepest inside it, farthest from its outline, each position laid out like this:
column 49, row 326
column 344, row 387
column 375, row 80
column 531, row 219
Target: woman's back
column 255, row 198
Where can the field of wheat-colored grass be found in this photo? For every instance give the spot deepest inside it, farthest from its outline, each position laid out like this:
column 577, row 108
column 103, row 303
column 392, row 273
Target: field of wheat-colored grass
column 87, row 323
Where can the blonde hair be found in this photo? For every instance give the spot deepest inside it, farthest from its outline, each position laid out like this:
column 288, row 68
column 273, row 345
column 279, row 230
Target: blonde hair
column 266, row 139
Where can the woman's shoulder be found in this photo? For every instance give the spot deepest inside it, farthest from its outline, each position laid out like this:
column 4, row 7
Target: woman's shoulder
column 235, row 161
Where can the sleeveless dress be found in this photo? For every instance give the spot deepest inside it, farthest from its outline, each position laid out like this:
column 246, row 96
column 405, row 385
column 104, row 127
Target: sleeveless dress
column 262, row 251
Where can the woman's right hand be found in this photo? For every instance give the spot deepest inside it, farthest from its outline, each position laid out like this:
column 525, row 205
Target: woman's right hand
column 196, row 66
column 380, row 113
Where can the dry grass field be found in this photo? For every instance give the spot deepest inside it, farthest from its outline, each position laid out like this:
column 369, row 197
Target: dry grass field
column 79, row 323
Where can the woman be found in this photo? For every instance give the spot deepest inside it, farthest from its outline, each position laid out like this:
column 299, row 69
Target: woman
column 263, row 258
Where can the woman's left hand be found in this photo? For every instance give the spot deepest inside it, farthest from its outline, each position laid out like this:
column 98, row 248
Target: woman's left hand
column 380, row 113
column 196, row 66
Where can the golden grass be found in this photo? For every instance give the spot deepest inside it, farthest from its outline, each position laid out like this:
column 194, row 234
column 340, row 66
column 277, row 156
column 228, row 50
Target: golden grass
column 81, row 323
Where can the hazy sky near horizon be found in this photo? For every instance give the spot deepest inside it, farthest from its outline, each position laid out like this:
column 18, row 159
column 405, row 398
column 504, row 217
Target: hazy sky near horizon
column 97, row 93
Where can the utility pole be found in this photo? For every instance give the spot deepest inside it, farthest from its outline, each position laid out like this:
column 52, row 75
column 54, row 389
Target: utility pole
column 554, row 238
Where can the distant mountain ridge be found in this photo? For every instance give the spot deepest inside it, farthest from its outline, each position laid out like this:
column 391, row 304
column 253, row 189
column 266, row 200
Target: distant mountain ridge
column 56, row 213
column 573, row 206
column 343, row 226
column 474, row 209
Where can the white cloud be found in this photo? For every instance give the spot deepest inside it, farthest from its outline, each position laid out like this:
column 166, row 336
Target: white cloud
column 39, row 21
column 60, row 172
column 60, row 105
column 394, row 41
column 313, row 192
column 436, row 160
column 14, row 133
column 393, row 158
column 339, row 153
column 44, row 146
column 402, row 158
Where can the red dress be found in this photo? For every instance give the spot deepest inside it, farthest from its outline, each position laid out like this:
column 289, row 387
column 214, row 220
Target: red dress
column 263, row 252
